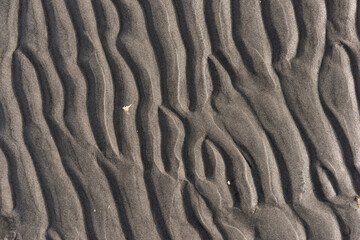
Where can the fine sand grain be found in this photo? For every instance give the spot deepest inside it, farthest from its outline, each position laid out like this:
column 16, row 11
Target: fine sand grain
column 179, row 119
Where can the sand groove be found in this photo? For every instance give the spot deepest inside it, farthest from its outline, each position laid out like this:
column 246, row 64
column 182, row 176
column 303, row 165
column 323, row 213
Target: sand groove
column 244, row 119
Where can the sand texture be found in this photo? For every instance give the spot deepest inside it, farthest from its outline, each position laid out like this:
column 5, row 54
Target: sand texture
column 179, row 119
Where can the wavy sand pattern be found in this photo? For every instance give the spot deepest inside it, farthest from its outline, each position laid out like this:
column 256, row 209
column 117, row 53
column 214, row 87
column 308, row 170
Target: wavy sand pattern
column 244, row 119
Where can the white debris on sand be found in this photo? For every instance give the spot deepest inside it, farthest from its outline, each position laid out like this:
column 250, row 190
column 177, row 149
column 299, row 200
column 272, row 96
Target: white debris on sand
column 126, row 108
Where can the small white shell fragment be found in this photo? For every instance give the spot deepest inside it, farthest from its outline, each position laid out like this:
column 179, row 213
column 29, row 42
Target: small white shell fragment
column 126, row 108
column 228, row 182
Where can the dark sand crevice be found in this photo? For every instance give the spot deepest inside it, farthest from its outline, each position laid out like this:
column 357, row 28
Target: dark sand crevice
column 283, row 170
column 125, row 89
column 354, row 63
column 63, row 51
column 275, row 42
column 190, row 215
column 196, row 27
column 75, row 178
column 56, row 127
column 214, row 211
column 311, row 17
column 310, row 149
column 236, row 19
column 254, row 168
column 169, row 51
column 94, row 206
column 211, row 24
column 295, row 102
column 317, row 187
column 146, row 122
column 246, row 118
column 226, row 65
column 22, row 169
column 24, row 201
column 247, row 138
column 47, row 164
column 173, row 129
column 98, row 80
column 190, row 53
column 209, row 159
column 141, row 107
column 22, row 174
column 103, row 27
column 357, row 18
column 6, row 195
column 230, row 176
column 298, row 11
column 237, row 172
column 87, row 211
column 167, row 144
column 119, row 201
column 336, row 77
column 188, row 151
column 158, row 47
column 219, row 23
column 250, row 26
column 346, row 148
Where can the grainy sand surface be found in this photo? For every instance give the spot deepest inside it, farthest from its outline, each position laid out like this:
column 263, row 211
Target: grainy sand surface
column 179, row 119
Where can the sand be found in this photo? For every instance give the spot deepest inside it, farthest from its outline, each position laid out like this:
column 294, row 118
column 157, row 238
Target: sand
column 179, row 119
